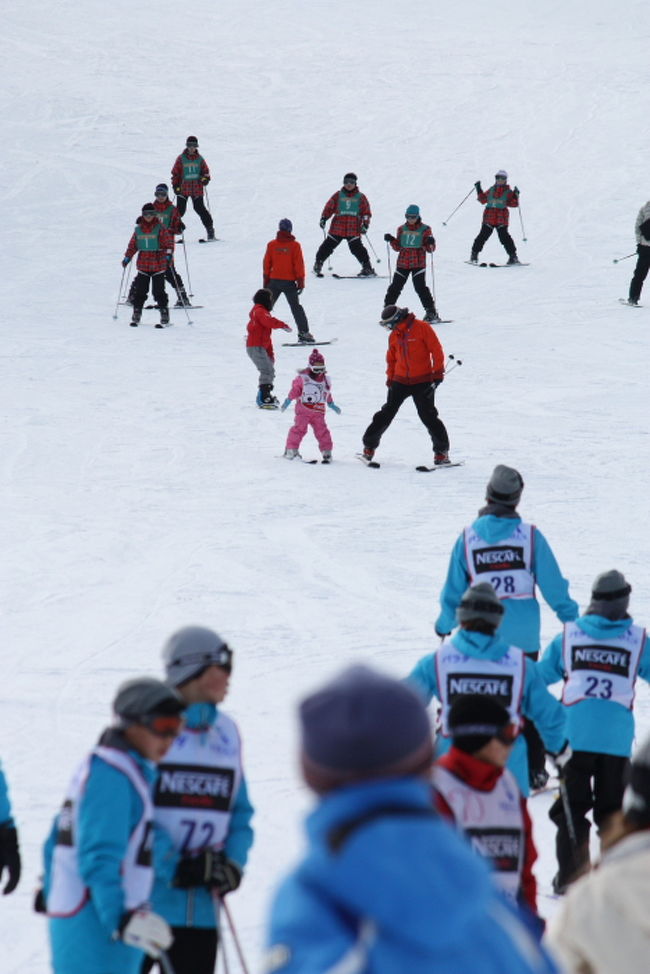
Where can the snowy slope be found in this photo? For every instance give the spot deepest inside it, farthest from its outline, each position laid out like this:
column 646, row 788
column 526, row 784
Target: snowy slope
column 141, row 488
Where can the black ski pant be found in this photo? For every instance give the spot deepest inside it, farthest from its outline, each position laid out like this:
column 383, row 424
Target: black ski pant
column 534, row 743
column 194, row 951
column 157, row 288
column 330, row 243
column 423, row 394
column 199, row 207
column 504, row 237
column 290, row 291
column 594, row 782
column 400, row 277
column 640, row 272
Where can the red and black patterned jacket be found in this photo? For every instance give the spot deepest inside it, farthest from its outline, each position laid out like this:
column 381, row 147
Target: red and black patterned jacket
column 498, row 217
column 174, row 225
column 412, row 258
column 151, row 261
column 347, row 225
column 189, row 187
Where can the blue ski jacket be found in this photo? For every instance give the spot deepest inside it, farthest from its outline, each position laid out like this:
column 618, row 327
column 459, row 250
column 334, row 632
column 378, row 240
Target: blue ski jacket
column 537, row 703
column 109, row 811
column 603, row 726
column 195, row 907
column 401, row 893
column 5, row 804
column 521, row 623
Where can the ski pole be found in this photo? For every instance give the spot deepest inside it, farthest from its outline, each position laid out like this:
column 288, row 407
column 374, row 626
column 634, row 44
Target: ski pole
column 119, row 293
column 617, row 260
column 171, row 267
column 523, row 232
column 187, row 268
column 125, row 292
column 433, row 280
column 216, row 905
column 568, row 815
column 390, row 271
column 240, row 953
column 207, row 201
column 456, row 361
column 165, row 963
column 329, row 256
column 377, row 259
column 445, row 222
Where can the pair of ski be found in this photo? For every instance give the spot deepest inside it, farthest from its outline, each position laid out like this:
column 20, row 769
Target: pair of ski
column 356, row 277
column 629, row 304
column 473, row 263
column 330, row 341
column 421, row 469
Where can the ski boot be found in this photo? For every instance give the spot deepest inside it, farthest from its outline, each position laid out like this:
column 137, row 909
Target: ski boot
column 326, row 455
column 183, row 300
column 164, row 318
column 633, row 301
column 367, row 453
column 441, row 459
column 473, row 257
column 266, row 399
column 512, row 259
column 291, row 454
column 318, row 268
column 306, row 337
column 367, row 271
column 431, row 315
column 135, row 317
column 210, row 233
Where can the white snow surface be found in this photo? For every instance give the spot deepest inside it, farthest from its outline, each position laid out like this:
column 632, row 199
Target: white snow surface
column 141, row 488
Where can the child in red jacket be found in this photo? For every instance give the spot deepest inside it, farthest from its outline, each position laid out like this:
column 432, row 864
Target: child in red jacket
column 312, row 391
column 473, row 788
column 259, row 346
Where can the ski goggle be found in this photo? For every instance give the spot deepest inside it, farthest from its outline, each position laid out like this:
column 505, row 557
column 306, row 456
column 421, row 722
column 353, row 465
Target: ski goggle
column 161, row 195
column 221, row 656
column 317, row 368
column 501, row 179
column 163, row 726
column 507, row 734
column 349, row 182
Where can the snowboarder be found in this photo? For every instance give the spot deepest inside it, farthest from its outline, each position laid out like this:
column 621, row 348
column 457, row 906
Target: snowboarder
column 190, row 176
column 98, row 857
column 284, row 273
column 598, row 658
column 515, row 557
column 496, row 200
column 415, row 368
column 477, row 660
column 642, row 231
column 259, row 346
column 155, row 248
column 201, row 802
column 9, row 850
column 474, row 789
column 351, row 212
column 602, row 925
column 312, row 391
column 413, row 241
column 385, row 885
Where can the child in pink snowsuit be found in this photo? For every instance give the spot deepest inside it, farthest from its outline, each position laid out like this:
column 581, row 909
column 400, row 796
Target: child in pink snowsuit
column 312, row 391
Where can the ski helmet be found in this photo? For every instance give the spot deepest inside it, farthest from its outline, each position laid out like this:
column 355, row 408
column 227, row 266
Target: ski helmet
column 392, row 315
column 480, row 603
column 474, row 719
column 505, row 486
column 145, row 697
column 412, row 210
column 316, row 361
column 610, row 596
column 285, row 225
column 501, row 174
column 192, row 140
column 161, row 188
column 188, row 652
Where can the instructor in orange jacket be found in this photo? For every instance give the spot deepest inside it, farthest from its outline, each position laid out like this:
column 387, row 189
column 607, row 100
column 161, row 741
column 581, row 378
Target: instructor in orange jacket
column 284, row 273
column 415, row 367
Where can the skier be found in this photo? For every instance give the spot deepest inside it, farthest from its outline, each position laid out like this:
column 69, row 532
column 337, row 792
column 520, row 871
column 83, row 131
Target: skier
column 98, row 857
column 312, row 391
column 201, row 803
column 190, row 174
column 602, row 925
column 515, row 557
column 477, row 660
column 155, row 248
column 415, row 367
column 598, row 658
column 413, row 241
column 642, row 231
column 284, row 273
column 259, row 346
column 474, row 789
column 351, row 212
column 496, row 200
column 169, row 216
column 385, row 885
column 9, row 851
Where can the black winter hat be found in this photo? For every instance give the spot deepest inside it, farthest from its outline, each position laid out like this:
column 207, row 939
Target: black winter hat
column 145, row 697
column 264, row 297
column 505, row 486
column 286, row 225
column 480, row 602
column 191, row 140
column 162, row 188
column 148, row 208
column 636, row 799
column 350, row 176
column 610, row 595
column 474, row 719
column 363, row 725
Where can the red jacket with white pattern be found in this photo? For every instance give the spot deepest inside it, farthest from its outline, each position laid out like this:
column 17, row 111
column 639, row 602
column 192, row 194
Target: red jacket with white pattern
column 412, row 258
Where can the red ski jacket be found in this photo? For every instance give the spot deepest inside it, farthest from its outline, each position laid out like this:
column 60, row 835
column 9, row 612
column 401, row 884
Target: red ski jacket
column 151, row 261
column 283, row 260
column 260, row 325
column 174, row 224
column 495, row 217
column 189, row 187
column 414, row 353
column 347, row 224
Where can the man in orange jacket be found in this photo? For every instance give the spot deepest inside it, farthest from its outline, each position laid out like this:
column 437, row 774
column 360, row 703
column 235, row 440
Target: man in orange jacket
column 284, row 273
column 415, row 367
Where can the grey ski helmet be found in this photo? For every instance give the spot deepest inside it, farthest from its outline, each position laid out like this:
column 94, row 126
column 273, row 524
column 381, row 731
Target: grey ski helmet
column 145, row 697
column 610, row 595
column 505, row 486
column 188, row 652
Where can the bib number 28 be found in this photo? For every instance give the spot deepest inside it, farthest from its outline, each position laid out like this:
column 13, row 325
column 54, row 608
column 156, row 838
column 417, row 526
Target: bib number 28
column 503, row 583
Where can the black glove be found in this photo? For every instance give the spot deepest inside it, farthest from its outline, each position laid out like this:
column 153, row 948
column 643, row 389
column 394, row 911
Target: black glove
column 322, row 222
column 388, row 237
column 182, row 226
column 9, row 856
column 40, row 906
column 211, row 869
column 516, row 191
column 177, row 190
column 205, row 180
column 477, row 187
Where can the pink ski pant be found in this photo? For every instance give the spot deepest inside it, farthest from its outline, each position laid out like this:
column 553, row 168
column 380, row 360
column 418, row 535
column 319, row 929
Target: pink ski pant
column 305, row 418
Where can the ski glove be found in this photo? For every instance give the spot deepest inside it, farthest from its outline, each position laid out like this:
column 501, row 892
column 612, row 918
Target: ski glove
column 322, row 222
column 287, row 328
column 337, row 409
column 477, row 187
column 364, row 228
column 205, row 180
column 9, row 856
column 516, row 191
column 145, row 931
column 211, row 869
column 563, row 756
column 388, row 237
column 285, row 405
column 126, row 261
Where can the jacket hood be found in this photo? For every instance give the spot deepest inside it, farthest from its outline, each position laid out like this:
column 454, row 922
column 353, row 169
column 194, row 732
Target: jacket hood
column 478, row 645
column 599, row 627
column 200, row 716
column 495, row 529
column 284, row 235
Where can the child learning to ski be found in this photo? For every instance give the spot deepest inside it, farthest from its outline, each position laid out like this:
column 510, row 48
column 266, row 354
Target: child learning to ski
column 311, row 390
column 260, row 347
